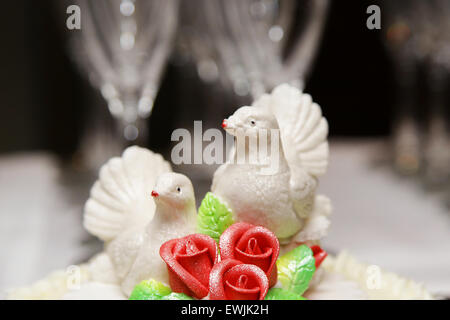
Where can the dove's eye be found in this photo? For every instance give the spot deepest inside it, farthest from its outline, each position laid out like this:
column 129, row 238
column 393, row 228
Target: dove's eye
column 178, row 189
column 252, row 122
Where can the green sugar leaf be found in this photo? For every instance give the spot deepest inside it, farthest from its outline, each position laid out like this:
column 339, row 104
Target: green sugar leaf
column 296, row 268
column 213, row 217
column 282, row 294
column 149, row 290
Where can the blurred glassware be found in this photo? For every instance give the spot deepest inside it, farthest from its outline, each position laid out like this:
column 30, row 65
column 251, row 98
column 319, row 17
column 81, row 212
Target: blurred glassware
column 437, row 139
column 122, row 47
column 402, row 19
column 417, row 36
column 250, row 46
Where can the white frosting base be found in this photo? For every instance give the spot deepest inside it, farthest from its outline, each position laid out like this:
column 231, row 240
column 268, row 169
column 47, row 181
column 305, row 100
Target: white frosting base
column 95, row 291
column 53, row 287
column 389, row 287
column 335, row 287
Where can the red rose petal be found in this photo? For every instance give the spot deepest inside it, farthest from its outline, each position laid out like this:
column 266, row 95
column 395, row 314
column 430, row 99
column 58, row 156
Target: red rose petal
column 230, row 237
column 232, row 280
column 261, row 260
column 198, row 265
column 238, row 293
column 189, row 262
column 251, row 245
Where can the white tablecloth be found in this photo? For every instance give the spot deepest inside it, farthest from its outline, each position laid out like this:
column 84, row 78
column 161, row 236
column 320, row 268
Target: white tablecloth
column 40, row 220
column 384, row 219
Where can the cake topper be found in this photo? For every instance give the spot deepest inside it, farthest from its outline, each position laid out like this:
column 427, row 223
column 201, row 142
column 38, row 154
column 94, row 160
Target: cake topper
column 139, row 206
column 284, row 202
column 175, row 216
column 136, row 205
column 146, row 216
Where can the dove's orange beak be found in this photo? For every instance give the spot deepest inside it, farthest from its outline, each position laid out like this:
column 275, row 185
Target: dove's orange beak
column 224, row 123
column 155, row 194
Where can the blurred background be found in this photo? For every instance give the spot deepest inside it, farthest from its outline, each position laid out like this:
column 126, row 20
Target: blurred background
column 138, row 69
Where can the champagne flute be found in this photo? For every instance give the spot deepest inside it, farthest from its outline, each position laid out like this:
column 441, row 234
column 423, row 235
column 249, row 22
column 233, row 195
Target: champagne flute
column 415, row 41
column 122, row 47
column 253, row 45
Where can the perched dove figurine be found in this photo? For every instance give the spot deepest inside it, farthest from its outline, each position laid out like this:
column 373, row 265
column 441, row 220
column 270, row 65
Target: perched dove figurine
column 175, row 217
column 136, row 205
column 285, row 201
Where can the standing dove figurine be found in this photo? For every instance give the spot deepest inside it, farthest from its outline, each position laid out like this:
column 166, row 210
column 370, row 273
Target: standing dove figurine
column 285, row 201
column 135, row 206
column 175, row 216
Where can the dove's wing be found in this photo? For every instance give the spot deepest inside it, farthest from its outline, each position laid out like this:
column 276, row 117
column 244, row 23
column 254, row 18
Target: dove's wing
column 121, row 197
column 303, row 129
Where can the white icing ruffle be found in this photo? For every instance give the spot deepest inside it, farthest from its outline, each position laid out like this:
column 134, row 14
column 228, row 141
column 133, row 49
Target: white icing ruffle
column 53, row 287
column 377, row 283
column 95, row 291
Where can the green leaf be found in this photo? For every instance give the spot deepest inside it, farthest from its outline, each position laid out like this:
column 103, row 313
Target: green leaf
column 213, row 217
column 282, row 294
column 149, row 290
column 296, row 268
column 177, row 296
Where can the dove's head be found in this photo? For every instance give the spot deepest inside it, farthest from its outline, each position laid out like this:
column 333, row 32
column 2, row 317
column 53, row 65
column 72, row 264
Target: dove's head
column 174, row 190
column 250, row 120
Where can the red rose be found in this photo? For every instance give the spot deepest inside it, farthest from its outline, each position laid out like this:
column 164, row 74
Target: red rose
column 251, row 245
column 319, row 254
column 232, row 280
column 189, row 262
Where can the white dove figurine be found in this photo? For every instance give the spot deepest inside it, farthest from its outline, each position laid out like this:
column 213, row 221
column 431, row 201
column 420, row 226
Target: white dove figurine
column 285, row 201
column 122, row 212
column 175, row 217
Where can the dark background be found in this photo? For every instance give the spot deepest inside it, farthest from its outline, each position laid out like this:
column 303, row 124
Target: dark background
column 45, row 100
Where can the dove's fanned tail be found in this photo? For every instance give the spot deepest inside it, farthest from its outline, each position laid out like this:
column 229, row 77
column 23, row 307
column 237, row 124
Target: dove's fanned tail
column 303, row 129
column 122, row 194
